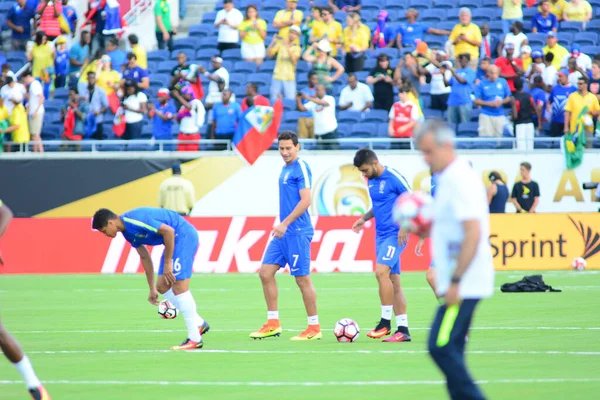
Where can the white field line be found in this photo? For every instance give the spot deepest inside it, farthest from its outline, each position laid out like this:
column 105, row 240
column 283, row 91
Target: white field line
column 218, row 351
column 223, row 290
column 325, row 383
column 481, row 328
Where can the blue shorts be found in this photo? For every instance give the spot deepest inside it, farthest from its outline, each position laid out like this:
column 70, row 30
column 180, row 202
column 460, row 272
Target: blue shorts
column 186, row 245
column 388, row 253
column 293, row 250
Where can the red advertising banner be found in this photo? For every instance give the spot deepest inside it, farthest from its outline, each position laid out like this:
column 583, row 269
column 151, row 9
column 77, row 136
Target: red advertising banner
column 228, row 244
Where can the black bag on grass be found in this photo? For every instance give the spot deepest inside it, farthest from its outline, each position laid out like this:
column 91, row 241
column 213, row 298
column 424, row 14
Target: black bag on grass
column 533, row 283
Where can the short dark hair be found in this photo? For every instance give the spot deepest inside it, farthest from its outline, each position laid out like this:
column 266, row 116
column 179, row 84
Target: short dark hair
column 133, row 39
column 27, row 72
column 310, row 74
column 549, row 57
column 91, row 73
column 465, row 55
column 131, row 55
column 518, row 25
column 328, row 9
column 526, row 165
column 253, row 86
column 495, row 176
column 364, row 156
column 518, row 84
column 288, row 135
column 404, row 89
column 351, row 75
column 5, row 67
column 101, row 218
column 73, row 89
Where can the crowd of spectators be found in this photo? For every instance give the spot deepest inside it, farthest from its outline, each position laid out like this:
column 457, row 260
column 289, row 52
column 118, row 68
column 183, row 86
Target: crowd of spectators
column 396, row 67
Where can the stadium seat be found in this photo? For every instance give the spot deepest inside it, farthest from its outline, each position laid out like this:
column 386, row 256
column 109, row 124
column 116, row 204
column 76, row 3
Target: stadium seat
column 61, row 94
column 350, row 117
column 587, row 38
column 468, row 129
column 51, row 132
column 246, row 67
column 166, row 67
column 431, row 16
column 158, row 55
column 391, row 52
column 146, row 132
column 232, row 55
column 425, row 100
column 364, row 129
column 566, row 38
column 421, row 4
column 496, row 27
column 260, row 78
column 200, row 30
column 207, row 43
column 482, row 14
column 370, row 63
column 292, row 116
column 376, row 116
column 473, row 4
column 529, row 12
column 185, row 43
column 445, row 4
column 267, row 66
column 392, row 5
column 570, row 26
column 593, row 25
column 160, row 79
column 537, row 39
column 209, row 17
column 289, row 104
column 344, row 129
column 340, row 16
column 462, row 144
column 590, row 50
column 447, row 25
column 273, row 5
column 452, row 14
column 435, row 114
column 489, row 4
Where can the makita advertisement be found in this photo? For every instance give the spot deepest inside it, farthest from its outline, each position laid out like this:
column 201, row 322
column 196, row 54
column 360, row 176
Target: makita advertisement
column 237, row 245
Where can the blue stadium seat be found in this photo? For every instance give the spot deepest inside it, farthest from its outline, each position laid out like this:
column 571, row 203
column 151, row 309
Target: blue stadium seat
column 431, row 16
column 529, row 12
column 209, row 17
column 340, row 16
column 370, row 63
column 452, row 14
column 200, row 30
column 289, row 104
column 391, row 52
column 496, row 27
column 435, row 41
column 288, row 127
column 464, row 144
column 247, row 67
column 53, row 105
column 146, row 132
column 207, row 43
column 273, row 5
column 473, row 4
column 268, row 66
column 185, row 43
column 158, row 55
column 376, row 116
column 482, row 14
column 350, row 117
column 590, row 50
column 445, row 4
column 166, row 67
column 566, row 38
column 232, row 55
column 364, row 129
column 537, row 39
column 593, row 25
column 421, row 4
column 361, row 76
column 393, row 5
column 490, row 4
column 268, row 15
column 435, row 114
column 425, row 99
column 468, row 129
column 259, row 78
column 292, row 116
column 61, row 94
column 447, row 25
column 570, row 26
column 587, row 38
column 344, row 129
column 51, row 132
column 159, row 79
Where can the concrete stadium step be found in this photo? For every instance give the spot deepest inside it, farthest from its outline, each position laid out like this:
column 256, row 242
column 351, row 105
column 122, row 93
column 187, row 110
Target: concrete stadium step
column 195, row 10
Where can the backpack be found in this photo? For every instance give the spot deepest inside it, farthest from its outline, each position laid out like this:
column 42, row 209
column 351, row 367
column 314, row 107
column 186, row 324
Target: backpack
column 533, row 283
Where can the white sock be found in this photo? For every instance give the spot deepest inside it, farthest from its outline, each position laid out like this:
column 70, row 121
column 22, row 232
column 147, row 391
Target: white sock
column 170, row 295
column 272, row 314
column 187, row 306
column 313, row 320
column 26, row 369
column 402, row 320
column 386, row 312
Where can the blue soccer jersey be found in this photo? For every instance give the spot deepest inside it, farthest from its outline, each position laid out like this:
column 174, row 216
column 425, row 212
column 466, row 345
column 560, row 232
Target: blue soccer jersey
column 141, row 228
column 294, row 177
column 384, row 190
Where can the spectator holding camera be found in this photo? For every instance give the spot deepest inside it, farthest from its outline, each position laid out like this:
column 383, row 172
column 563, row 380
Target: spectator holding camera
column 460, row 104
column 287, row 51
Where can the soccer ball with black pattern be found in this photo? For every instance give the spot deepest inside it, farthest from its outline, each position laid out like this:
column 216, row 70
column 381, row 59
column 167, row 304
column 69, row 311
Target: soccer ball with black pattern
column 346, row 330
column 167, row 310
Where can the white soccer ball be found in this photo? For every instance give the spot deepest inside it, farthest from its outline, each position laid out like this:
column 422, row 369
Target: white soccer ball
column 346, row 330
column 167, row 310
column 414, row 212
column 579, row 263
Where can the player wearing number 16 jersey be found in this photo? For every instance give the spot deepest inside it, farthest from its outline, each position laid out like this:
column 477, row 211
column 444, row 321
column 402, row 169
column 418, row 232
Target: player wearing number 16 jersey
column 291, row 242
column 156, row 226
column 385, row 186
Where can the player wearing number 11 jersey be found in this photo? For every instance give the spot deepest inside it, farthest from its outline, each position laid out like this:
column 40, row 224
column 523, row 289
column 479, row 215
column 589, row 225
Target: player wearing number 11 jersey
column 385, row 186
column 156, row 226
column 291, row 242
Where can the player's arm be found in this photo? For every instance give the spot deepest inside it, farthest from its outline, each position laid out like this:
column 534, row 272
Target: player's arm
column 149, row 271
column 300, row 208
column 168, row 235
column 358, row 225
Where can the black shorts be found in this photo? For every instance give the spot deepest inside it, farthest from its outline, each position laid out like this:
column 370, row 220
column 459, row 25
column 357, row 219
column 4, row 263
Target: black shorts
column 439, row 101
column 557, row 129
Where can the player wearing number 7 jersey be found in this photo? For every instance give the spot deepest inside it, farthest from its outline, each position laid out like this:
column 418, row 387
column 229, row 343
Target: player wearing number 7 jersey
column 156, row 226
column 291, row 242
column 385, row 186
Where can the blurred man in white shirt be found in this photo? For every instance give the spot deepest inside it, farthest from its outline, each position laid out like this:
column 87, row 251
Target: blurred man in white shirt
column 463, row 258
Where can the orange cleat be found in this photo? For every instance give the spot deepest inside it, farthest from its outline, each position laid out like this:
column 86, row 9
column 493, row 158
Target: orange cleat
column 398, row 337
column 382, row 329
column 189, row 344
column 271, row 329
column 39, row 393
column 313, row 332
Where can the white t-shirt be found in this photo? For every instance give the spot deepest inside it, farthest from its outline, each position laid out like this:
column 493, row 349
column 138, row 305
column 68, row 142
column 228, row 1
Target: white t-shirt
column 461, row 196
column 227, row 34
column 583, row 61
column 36, row 93
column 7, row 93
column 517, row 41
column 574, row 77
column 324, row 117
column 193, row 123
column 135, row 103
column 550, row 75
column 359, row 97
column 541, row 67
column 437, row 85
column 214, row 96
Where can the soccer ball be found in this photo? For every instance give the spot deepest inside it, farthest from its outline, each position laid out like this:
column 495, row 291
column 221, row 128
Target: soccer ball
column 578, row 263
column 167, row 310
column 346, row 330
column 414, row 212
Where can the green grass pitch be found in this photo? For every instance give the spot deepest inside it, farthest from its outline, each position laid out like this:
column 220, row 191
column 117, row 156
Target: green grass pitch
column 96, row 337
